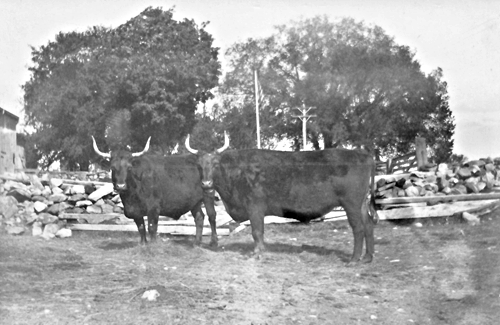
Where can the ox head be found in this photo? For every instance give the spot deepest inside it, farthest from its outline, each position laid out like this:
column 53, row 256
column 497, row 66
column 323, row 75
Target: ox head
column 209, row 162
column 121, row 163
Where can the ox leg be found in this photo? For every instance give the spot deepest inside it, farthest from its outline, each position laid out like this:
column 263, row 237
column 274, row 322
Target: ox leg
column 153, row 223
column 212, row 214
column 257, row 222
column 362, row 229
column 354, row 217
column 368, row 225
column 198, row 220
column 142, row 229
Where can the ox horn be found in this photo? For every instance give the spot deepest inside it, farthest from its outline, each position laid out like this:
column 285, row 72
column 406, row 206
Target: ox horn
column 188, row 147
column 226, row 143
column 105, row 155
column 146, row 148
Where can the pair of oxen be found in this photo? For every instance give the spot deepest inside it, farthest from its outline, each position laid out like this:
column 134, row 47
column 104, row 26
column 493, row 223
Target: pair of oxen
column 252, row 183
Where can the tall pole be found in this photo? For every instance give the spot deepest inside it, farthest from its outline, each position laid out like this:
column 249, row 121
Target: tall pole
column 257, row 122
column 304, row 117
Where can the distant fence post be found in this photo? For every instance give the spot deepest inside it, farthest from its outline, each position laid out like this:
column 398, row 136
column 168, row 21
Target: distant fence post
column 421, row 152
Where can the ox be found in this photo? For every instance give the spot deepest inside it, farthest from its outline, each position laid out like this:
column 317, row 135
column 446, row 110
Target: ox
column 150, row 185
column 303, row 185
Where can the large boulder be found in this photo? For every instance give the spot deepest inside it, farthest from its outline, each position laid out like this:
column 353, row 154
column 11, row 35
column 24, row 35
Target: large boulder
column 20, row 194
column 464, row 173
column 472, row 187
column 46, row 218
column 412, row 191
column 83, row 203
column 78, row 189
column 8, row 206
column 37, row 229
column 459, row 190
column 489, row 179
column 39, row 206
column 55, row 182
column 46, row 192
column 57, row 208
column 56, row 198
column 74, row 211
column 101, row 192
column 77, row 197
column 50, row 230
column 39, row 198
column 9, row 185
column 107, row 208
column 57, row 190
column 89, row 188
column 95, row 209
column 35, row 192
column 63, row 233
column 15, row 230
column 36, row 183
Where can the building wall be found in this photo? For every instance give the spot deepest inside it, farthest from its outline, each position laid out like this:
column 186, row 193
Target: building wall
column 9, row 153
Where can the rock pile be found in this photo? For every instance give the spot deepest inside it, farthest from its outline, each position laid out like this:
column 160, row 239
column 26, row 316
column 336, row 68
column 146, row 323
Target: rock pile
column 41, row 203
column 479, row 176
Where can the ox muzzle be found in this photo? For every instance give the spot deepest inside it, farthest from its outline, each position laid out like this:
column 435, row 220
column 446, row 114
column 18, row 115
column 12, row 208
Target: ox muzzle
column 207, row 186
column 120, row 187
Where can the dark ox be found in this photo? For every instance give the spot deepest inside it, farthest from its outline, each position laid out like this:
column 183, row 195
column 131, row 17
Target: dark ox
column 303, row 185
column 152, row 185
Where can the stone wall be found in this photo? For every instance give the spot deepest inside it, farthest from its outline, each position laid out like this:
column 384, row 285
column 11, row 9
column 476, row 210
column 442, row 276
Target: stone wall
column 29, row 202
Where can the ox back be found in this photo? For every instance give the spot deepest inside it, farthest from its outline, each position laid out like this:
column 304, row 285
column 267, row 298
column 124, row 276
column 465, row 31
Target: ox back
column 157, row 185
column 301, row 185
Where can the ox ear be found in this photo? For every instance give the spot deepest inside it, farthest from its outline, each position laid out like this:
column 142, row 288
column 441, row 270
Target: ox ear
column 188, row 147
column 226, row 143
column 146, row 148
column 96, row 149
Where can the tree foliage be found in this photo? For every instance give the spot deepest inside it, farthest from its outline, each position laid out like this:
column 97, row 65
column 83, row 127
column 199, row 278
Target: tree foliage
column 366, row 89
column 156, row 68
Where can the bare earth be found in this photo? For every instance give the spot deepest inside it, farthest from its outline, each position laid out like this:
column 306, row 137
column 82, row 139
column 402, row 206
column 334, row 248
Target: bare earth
column 441, row 273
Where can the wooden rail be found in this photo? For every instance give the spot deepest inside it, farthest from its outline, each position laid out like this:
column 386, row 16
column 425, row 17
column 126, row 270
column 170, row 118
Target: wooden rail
column 440, row 198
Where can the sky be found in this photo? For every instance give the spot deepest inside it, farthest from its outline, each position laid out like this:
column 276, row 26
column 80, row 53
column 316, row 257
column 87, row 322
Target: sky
column 460, row 36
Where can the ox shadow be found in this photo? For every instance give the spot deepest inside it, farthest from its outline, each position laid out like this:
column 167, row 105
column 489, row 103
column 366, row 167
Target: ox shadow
column 108, row 246
column 188, row 242
column 280, row 248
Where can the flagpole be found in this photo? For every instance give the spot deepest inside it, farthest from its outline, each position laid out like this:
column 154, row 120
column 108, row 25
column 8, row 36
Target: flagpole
column 257, row 108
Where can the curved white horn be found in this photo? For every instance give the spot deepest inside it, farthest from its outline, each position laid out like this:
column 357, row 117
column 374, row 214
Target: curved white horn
column 105, row 155
column 226, row 143
column 146, row 148
column 188, row 147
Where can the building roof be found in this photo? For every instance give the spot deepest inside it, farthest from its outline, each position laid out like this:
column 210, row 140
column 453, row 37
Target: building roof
column 9, row 114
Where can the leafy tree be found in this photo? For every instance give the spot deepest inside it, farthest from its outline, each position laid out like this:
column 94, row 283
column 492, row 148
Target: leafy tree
column 236, row 93
column 156, row 68
column 367, row 90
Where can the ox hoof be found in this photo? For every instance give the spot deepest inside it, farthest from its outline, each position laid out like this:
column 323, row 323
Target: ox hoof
column 367, row 259
column 213, row 244
column 255, row 257
column 353, row 261
column 257, row 254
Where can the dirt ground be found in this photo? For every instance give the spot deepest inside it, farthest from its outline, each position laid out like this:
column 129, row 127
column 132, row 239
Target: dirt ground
column 440, row 273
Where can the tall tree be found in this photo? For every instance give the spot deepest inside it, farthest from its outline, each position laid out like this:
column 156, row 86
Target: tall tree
column 367, row 90
column 156, row 68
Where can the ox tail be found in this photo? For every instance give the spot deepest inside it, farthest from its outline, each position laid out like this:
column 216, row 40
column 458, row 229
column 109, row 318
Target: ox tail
column 372, row 211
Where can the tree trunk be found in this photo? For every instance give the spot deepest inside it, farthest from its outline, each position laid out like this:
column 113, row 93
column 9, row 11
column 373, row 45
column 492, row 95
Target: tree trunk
column 328, row 140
